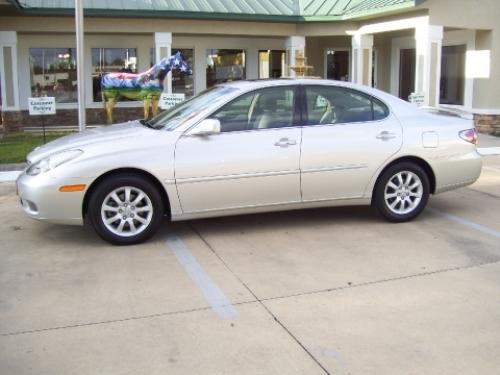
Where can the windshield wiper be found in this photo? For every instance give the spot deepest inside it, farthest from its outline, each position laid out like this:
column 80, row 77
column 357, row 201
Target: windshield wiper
column 146, row 123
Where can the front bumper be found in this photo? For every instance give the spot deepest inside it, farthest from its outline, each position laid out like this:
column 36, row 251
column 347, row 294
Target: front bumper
column 41, row 199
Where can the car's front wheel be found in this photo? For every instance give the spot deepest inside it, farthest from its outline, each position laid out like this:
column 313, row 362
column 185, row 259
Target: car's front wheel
column 402, row 192
column 125, row 209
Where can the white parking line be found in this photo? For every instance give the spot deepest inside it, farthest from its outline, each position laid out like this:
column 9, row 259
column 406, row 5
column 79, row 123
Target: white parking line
column 213, row 294
column 9, row 176
column 488, row 151
column 468, row 223
column 493, row 169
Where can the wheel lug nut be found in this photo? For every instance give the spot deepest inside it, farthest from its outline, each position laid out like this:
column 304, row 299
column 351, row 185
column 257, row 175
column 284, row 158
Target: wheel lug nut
column 131, row 215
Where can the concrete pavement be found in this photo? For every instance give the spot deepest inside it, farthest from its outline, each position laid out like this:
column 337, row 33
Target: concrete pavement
column 327, row 291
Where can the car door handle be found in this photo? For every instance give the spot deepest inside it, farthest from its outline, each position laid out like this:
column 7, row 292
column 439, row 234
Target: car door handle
column 385, row 135
column 285, row 142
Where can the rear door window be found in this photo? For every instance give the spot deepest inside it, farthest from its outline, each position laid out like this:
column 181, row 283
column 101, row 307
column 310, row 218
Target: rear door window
column 338, row 105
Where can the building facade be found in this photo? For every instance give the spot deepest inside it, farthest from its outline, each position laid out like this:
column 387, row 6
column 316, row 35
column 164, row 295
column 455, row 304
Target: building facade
column 447, row 52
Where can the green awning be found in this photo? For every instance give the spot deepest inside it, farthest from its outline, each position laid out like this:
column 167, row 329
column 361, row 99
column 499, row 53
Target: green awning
column 277, row 10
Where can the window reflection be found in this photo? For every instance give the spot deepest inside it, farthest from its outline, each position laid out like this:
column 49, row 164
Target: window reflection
column 107, row 60
column 225, row 65
column 53, row 73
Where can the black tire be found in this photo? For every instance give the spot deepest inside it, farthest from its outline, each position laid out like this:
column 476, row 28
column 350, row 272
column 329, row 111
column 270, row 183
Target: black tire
column 394, row 208
column 150, row 209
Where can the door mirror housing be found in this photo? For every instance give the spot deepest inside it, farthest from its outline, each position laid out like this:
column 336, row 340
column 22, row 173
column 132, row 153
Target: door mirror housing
column 208, row 126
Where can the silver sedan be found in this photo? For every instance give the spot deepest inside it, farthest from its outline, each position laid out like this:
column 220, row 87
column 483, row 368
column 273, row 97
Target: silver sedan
column 251, row 146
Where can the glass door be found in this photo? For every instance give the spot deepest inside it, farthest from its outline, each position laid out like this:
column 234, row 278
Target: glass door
column 406, row 72
column 271, row 63
column 451, row 88
column 337, row 64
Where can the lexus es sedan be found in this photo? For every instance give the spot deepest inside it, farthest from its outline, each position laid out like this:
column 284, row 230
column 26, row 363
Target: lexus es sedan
column 247, row 147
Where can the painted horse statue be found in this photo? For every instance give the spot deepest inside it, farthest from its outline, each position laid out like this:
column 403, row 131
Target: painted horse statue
column 146, row 86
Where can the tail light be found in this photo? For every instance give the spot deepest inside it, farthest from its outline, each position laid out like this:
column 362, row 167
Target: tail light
column 469, row 135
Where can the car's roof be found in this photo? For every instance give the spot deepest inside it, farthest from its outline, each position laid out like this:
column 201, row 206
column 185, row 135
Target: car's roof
column 247, row 85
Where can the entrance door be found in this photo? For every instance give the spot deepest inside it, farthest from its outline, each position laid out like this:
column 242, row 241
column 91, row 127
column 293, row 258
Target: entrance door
column 451, row 89
column 253, row 161
column 337, row 64
column 406, row 72
column 271, row 63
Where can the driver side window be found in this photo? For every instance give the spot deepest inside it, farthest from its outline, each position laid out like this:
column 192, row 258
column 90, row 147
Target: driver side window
column 235, row 116
column 262, row 109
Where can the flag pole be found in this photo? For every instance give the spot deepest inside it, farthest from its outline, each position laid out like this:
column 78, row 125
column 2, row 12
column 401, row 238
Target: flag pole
column 79, row 63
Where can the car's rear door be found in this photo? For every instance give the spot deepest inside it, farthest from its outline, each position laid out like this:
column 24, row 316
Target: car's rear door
column 347, row 136
column 253, row 161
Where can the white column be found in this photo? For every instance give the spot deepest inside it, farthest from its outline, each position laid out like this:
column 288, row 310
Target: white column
column 8, row 71
column 293, row 45
column 362, row 60
column 80, row 68
column 163, row 48
column 429, row 40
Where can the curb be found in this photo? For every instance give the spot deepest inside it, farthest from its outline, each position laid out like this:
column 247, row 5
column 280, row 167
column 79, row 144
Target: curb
column 12, row 167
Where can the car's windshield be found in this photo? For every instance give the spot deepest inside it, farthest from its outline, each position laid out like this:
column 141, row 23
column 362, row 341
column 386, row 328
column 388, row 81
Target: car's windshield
column 173, row 118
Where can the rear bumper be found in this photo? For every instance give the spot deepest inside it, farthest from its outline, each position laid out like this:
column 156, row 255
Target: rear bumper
column 41, row 200
column 457, row 171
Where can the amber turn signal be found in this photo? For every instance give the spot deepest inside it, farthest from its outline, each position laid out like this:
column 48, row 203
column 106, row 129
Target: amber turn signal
column 72, row 188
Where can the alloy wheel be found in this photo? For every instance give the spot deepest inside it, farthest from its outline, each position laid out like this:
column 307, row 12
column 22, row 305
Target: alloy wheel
column 126, row 211
column 403, row 192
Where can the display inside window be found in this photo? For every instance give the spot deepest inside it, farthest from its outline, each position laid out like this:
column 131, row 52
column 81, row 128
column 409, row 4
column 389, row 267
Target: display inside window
column 53, row 73
column 107, row 60
column 225, row 65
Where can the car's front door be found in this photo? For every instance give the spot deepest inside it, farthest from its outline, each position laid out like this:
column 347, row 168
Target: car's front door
column 253, row 161
column 348, row 135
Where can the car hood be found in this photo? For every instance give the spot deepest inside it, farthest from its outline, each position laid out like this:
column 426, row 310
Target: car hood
column 128, row 130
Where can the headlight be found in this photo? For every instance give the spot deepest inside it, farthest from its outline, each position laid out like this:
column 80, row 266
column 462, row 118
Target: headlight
column 52, row 161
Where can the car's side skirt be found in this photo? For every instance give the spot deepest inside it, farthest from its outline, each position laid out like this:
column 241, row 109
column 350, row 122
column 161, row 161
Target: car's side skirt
column 272, row 208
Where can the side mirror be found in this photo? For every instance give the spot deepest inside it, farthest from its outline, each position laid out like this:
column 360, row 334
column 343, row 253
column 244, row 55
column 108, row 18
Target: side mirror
column 206, row 127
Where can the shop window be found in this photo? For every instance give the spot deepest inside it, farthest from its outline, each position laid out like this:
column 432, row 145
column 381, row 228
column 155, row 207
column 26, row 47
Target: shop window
column 181, row 83
column 451, row 88
column 53, row 73
column 225, row 65
column 107, row 60
column 271, row 64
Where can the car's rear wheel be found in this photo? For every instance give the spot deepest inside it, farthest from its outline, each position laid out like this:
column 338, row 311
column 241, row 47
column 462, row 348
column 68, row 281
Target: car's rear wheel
column 402, row 192
column 125, row 209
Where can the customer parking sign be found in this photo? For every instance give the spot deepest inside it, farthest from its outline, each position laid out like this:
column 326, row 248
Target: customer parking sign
column 42, row 106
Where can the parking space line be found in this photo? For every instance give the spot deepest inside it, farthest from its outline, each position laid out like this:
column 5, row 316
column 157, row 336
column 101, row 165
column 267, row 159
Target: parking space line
column 488, row 151
column 492, row 169
column 468, row 223
column 212, row 293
